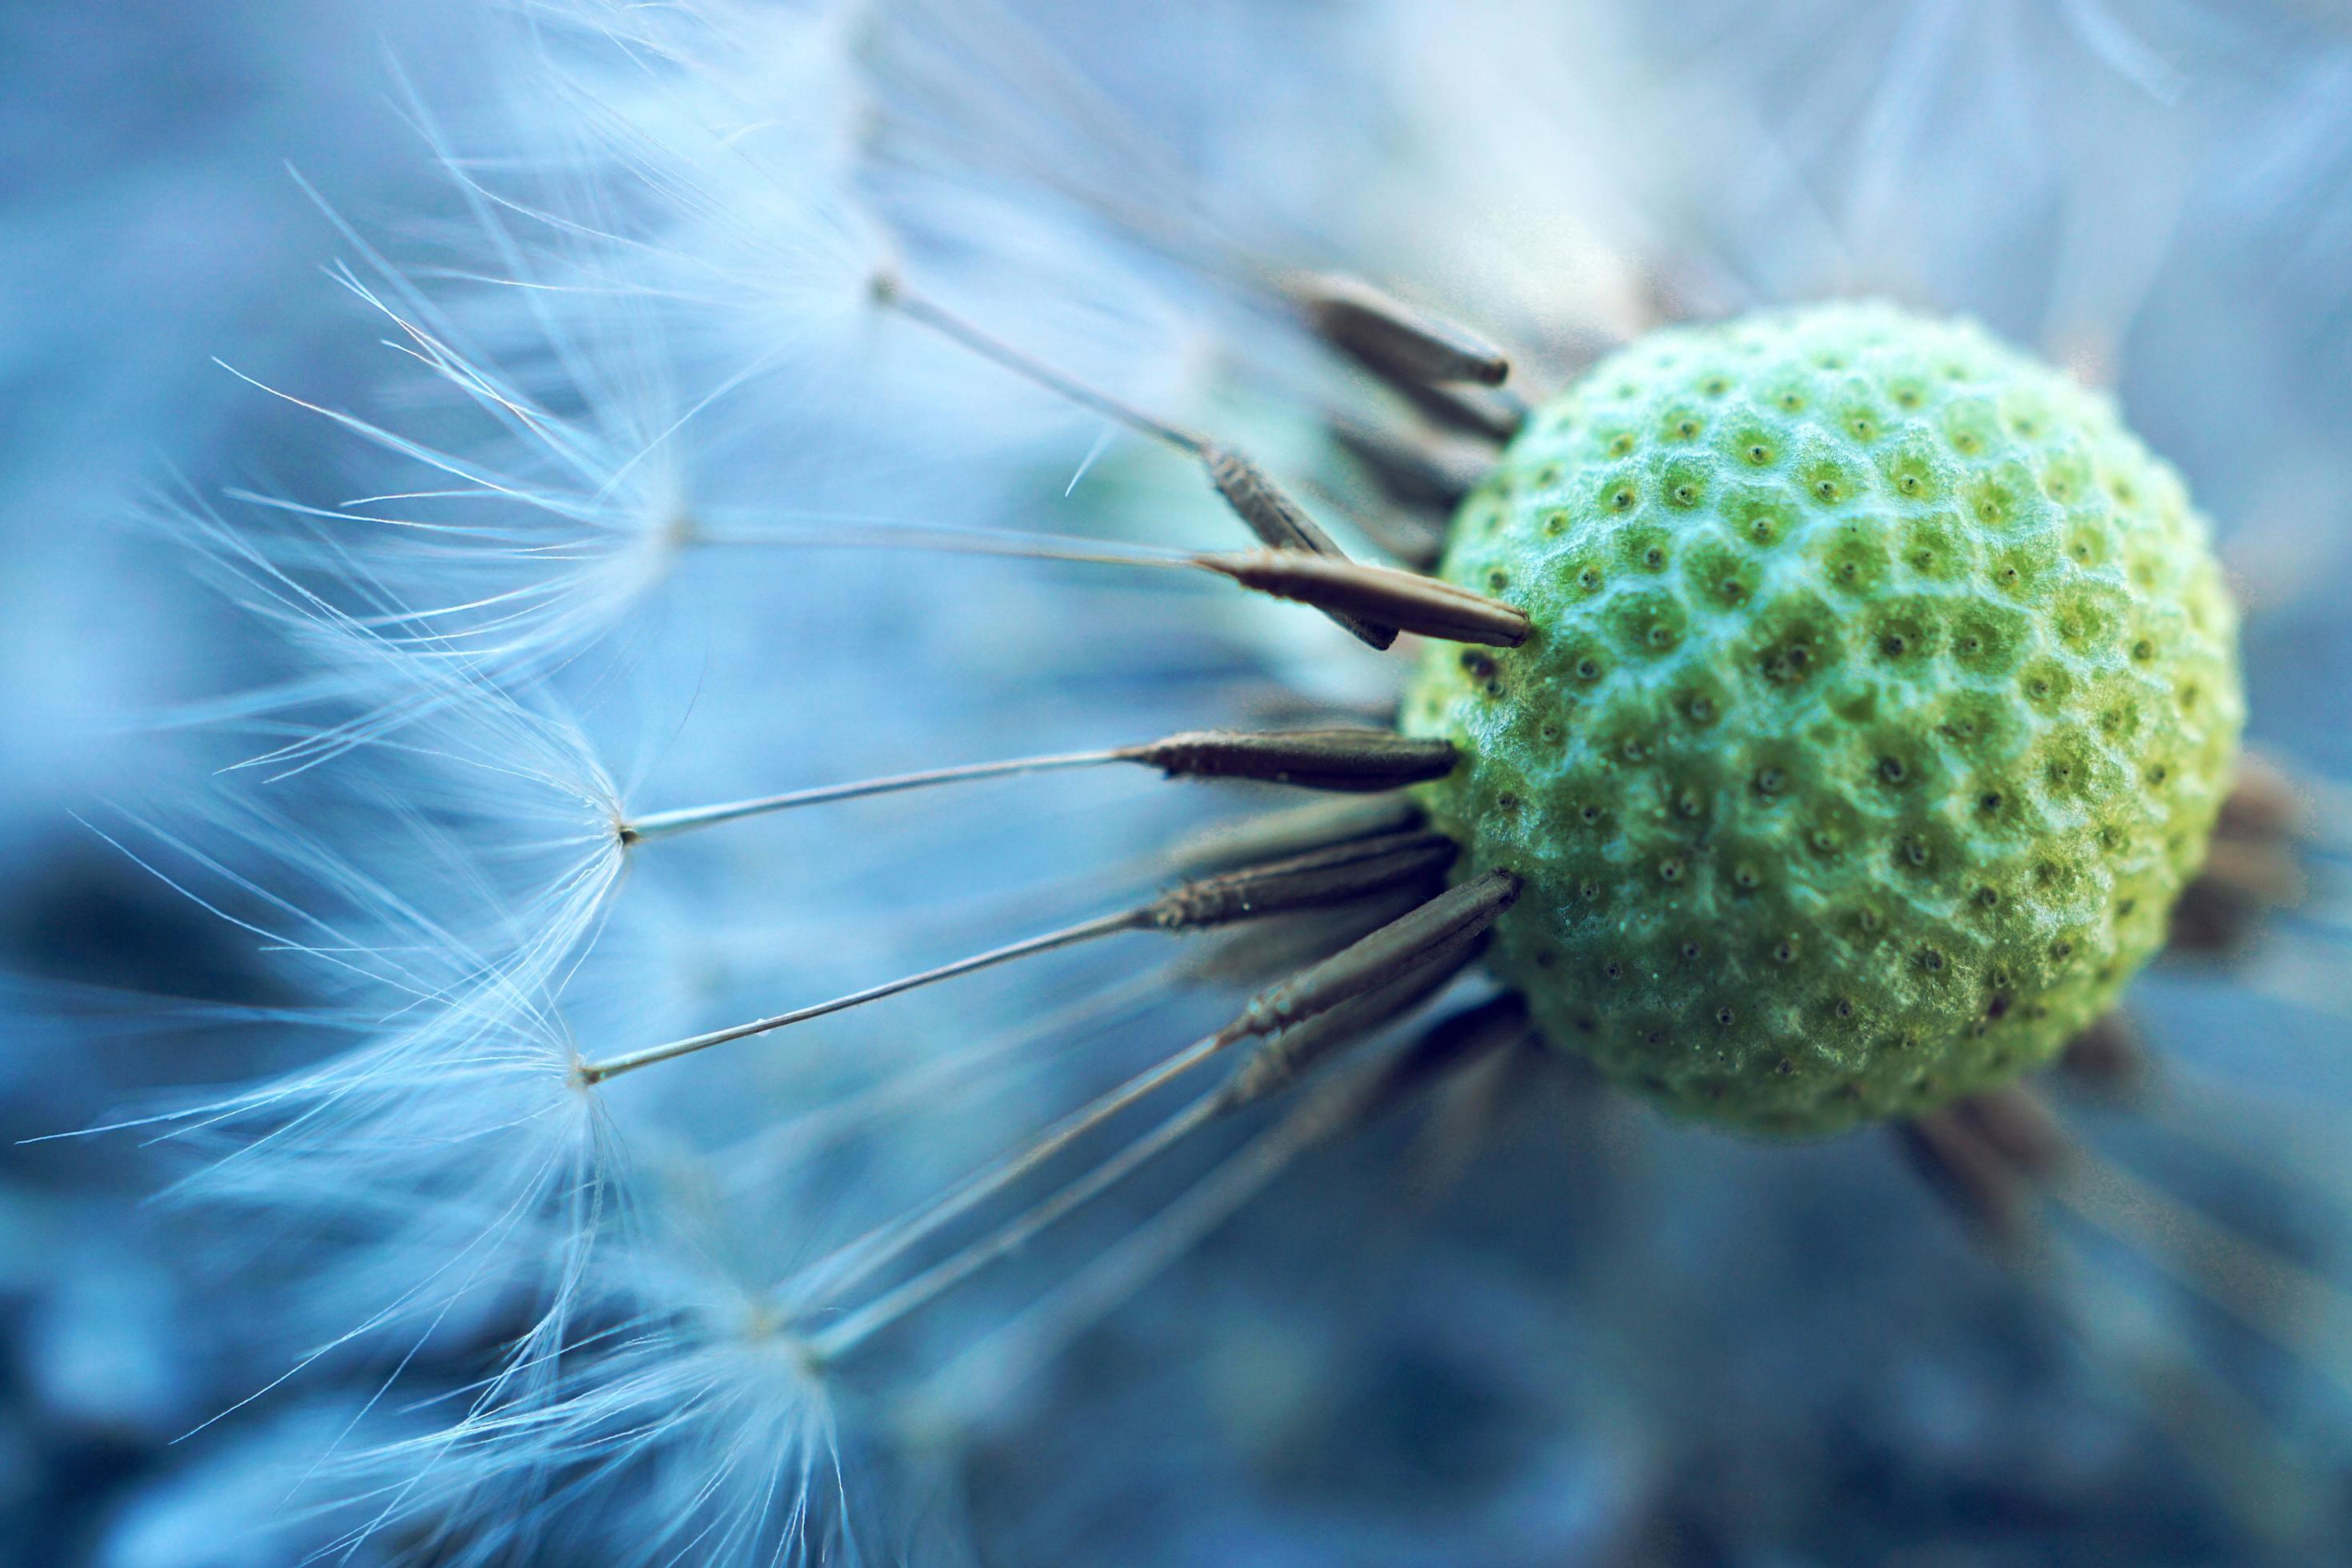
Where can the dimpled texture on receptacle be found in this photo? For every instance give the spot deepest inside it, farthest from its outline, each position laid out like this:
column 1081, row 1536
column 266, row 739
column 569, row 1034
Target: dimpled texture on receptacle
column 1881, row 697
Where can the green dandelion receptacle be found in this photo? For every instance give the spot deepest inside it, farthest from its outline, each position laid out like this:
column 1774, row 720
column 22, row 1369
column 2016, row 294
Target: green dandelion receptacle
column 1882, row 696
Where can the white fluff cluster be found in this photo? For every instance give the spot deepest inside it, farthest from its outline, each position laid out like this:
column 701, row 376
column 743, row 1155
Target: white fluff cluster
column 657, row 505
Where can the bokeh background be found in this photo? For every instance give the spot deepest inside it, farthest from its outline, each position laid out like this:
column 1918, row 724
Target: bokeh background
column 1603, row 1340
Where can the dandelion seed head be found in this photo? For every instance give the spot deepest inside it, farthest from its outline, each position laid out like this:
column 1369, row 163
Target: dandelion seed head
column 1878, row 662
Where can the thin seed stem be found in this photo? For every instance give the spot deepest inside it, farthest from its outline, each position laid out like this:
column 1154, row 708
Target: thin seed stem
column 1339, row 874
column 1283, row 1059
column 2295, row 1307
column 1283, row 526
column 1336, row 875
column 1293, row 567
column 1433, row 934
column 845, row 1335
column 1996, row 1157
column 858, row 1259
column 661, row 824
column 1321, row 577
column 1248, row 490
column 1067, row 936
column 1429, row 935
column 1346, row 759
column 2109, row 1056
column 893, row 292
column 859, row 533
column 1008, row 1357
column 1999, row 1154
column 1969, row 1174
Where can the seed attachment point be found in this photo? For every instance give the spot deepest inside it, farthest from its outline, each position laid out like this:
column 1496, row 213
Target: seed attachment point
column 1294, row 831
column 1394, row 340
column 1427, row 474
column 1338, row 874
column 1496, row 417
column 1354, row 761
column 1433, row 934
column 1413, row 603
column 1281, row 525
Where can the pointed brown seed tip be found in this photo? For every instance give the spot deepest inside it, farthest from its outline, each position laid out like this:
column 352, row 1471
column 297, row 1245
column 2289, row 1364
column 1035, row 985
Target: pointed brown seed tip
column 1249, row 956
column 2020, row 1128
column 1283, row 1060
column 1411, row 603
column 2108, row 1057
column 1984, row 1189
column 2262, row 873
column 1491, row 417
column 1457, row 1041
column 1431, row 934
column 2242, row 880
column 1329, row 876
column 1353, row 759
column 1280, row 524
column 1276, row 835
column 1257, row 500
column 1420, row 474
column 2263, row 803
column 1394, row 340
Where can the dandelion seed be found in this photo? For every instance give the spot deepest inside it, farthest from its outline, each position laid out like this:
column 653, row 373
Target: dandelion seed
column 1394, row 340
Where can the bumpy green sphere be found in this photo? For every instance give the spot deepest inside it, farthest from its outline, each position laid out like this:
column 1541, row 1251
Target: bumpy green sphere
column 1882, row 695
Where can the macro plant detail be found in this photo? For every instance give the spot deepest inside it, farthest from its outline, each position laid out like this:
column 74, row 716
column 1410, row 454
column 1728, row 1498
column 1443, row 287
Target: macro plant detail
column 965, row 799
column 1883, row 696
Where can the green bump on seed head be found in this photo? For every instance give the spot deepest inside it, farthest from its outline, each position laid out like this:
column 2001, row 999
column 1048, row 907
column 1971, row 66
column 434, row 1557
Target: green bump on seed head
column 1882, row 695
